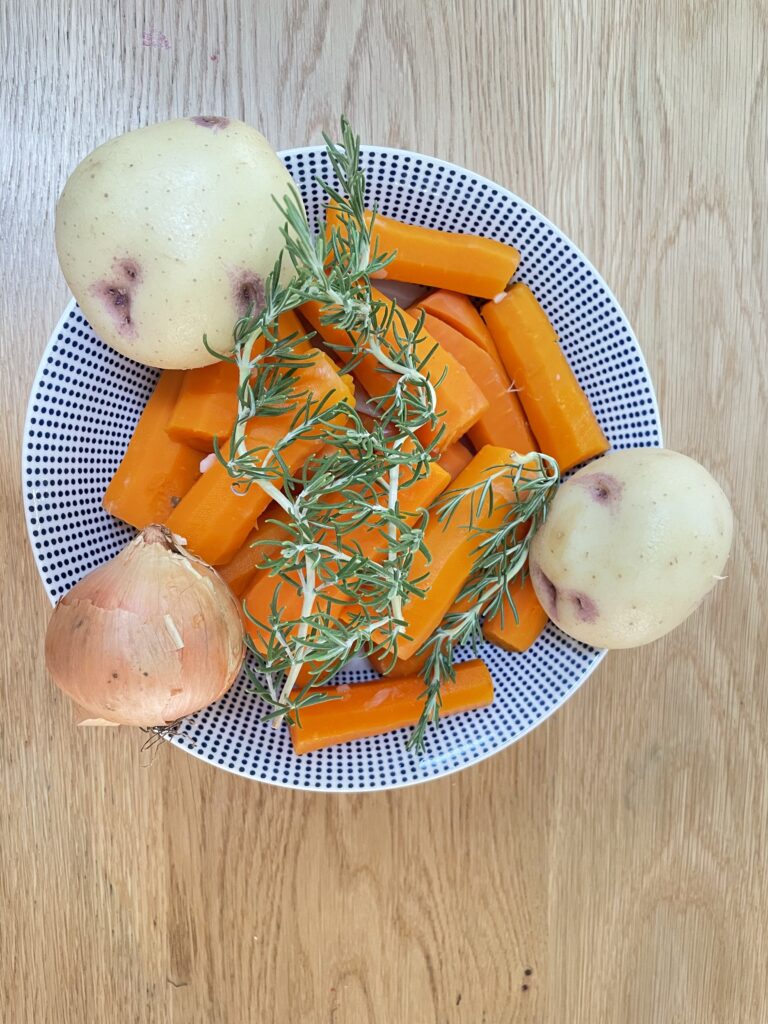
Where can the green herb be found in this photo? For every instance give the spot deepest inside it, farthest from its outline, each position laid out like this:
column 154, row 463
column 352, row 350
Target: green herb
column 357, row 478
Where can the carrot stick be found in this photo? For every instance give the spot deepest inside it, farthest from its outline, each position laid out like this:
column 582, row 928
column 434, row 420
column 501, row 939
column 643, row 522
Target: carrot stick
column 458, row 312
column 520, row 635
column 557, row 409
column 207, row 404
column 156, row 472
column 288, row 325
column 213, row 518
column 369, row 709
column 415, row 494
column 260, row 544
column 453, row 546
column 397, row 668
column 455, row 458
column 258, row 603
column 461, row 263
column 504, row 422
column 206, row 407
column 459, row 401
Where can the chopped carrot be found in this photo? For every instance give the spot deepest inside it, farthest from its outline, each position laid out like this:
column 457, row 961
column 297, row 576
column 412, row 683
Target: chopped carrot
column 415, row 494
column 557, row 409
column 215, row 519
column 459, row 401
column 504, row 422
column 289, row 325
column 460, row 263
column 260, row 544
column 257, row 604
column 459, row 312
column 517, row 635
column 453, row 545
column 156, row 472
column 206, row 408
column 369, row 709
column 397, row 668
column 263, row 590
column 455, row 458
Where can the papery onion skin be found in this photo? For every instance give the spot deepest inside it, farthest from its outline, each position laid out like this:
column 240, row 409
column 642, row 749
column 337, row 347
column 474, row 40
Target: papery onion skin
column 147, row 638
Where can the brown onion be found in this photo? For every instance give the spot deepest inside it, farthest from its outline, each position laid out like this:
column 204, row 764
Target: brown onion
column 147, row 638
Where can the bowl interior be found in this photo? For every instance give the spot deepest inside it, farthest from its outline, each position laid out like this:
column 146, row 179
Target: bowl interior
column 86, row 400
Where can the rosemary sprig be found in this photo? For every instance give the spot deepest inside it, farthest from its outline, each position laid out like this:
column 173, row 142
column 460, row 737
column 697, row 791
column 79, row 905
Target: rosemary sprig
column 357, row 479
column 351, row 600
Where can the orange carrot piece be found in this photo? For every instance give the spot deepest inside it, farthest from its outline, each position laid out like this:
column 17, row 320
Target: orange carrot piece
column 458, row 312
column 455, row 458
column 241, row 570
column 260, row 544
column 213, row 518
column 156, row 472
column 520, row 635
column 206, row 408
column 369, row 709
column 397, row 668
column 453, row 546
column 289, row 324
column 258, row 603
column 504, row 423
column 461, row 263
column 416, row 494
column 459, row 401
column 557, row 409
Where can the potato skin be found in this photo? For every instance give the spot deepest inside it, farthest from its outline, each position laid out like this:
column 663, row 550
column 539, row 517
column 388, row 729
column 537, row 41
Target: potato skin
column 632, row 544
column 168, row 233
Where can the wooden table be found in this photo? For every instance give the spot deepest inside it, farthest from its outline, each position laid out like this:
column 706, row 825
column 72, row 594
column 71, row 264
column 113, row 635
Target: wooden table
column 609, row 868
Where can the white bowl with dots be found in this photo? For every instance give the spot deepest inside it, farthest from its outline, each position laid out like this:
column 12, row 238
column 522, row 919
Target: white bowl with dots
column 86, row 399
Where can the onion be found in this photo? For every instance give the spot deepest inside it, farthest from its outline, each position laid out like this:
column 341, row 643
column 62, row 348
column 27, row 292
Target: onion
column 147, row 638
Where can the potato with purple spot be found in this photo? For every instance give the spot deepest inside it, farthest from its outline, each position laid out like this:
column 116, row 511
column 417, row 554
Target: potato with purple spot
column 632, row 544
column 167, row 234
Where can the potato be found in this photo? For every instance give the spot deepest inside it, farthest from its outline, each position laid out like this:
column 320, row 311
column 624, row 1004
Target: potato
column 631, row 545
column 167, row 233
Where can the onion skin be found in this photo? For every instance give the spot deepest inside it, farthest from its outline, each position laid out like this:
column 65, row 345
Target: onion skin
column 148, row 638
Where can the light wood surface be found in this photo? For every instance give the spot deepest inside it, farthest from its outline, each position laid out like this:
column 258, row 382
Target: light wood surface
column 611, row 867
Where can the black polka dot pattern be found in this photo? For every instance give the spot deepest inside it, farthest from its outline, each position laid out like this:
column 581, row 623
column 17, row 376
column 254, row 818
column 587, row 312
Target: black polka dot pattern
column 86, row 400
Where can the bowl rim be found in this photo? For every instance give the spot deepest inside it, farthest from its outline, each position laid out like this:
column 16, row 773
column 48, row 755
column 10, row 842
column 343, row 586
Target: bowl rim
column 373, row 150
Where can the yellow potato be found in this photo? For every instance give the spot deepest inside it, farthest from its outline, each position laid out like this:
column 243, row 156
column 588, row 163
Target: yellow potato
column 167, row 233
column 632, row 544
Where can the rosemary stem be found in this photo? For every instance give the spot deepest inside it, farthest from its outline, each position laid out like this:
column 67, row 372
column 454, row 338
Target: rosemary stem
column 308, row 603
column 392, row 498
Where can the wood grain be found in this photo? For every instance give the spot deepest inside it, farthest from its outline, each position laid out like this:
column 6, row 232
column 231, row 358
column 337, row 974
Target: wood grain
column 618, row 852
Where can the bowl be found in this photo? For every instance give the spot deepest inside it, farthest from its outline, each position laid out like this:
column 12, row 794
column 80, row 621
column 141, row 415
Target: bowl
column 86, row 399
